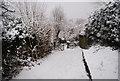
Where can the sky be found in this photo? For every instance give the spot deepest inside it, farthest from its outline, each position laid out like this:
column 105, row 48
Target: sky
column 74, row 10
column 60, row 0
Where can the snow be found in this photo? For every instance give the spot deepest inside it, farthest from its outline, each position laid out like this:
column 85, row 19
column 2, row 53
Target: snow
column 21, row 36
column 103, row 62
column 68, row 64
column 68, row 41
column 82, row 32
column 98, row 34
column 12, row 33
column 117, row 40
column 65, row 64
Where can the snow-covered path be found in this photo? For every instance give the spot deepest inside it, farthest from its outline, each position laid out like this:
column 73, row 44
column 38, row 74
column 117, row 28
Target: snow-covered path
column 65, row 64
column 68, row 64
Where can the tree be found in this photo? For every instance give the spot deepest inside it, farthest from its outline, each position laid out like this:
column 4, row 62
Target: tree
column 58, row 20
column 79, row 21
column 104, row 25
column 33, row 17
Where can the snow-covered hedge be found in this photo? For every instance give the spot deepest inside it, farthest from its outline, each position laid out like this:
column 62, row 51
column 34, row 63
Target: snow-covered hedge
column 19, row 46
column 104, row 25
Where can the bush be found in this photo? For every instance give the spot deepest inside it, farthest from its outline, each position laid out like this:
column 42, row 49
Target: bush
column 104, row 25
column 20, row 47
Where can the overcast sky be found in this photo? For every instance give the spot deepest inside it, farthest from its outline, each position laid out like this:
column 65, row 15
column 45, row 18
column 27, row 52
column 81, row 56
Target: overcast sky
column 74, row 10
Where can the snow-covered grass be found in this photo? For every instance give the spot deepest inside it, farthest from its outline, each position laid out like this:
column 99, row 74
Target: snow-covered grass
column 68, row 64
column 103, row 62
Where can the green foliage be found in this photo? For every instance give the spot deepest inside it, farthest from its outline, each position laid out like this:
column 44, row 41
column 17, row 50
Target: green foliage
column 83, row 42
